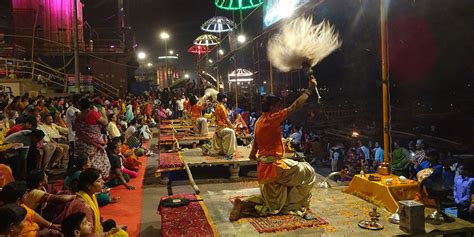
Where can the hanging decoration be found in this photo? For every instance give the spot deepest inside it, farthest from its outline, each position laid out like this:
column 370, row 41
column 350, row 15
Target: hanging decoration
column 218, row 24
column 237, row 4
column 207, row 40
column 240, row 75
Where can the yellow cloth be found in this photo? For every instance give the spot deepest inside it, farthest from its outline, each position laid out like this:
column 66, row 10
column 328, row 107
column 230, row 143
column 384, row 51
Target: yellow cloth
column 112, row 130
column 92, row 201
column 378, row 192
column 30, row 229
column 3, row 145
column 33, row 198
column 55, row 131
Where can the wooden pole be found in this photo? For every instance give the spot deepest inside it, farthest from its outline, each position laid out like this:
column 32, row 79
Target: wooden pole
column 385, row 85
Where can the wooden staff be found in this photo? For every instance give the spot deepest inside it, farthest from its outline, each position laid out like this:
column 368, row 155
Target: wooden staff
column 191, row 179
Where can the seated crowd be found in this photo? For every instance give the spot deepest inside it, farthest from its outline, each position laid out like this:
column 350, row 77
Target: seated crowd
column 91, row 143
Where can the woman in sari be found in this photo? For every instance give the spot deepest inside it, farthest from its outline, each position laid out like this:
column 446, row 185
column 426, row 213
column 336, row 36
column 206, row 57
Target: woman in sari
column 89, row 140
column 90, row 183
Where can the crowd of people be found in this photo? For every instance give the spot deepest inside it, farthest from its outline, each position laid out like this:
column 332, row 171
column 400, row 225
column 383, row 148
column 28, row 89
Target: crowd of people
column 97, row 141
column 91, row 141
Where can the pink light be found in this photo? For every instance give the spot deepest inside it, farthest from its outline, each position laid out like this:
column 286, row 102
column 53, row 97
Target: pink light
column 112, row 46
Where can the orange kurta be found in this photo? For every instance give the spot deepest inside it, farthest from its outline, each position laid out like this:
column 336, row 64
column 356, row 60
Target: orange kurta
column 196, row 111
column 268, row 139
column 221, row 115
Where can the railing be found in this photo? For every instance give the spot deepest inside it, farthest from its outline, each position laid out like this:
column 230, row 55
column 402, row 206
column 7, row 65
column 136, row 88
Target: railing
column 16, row 68
column 104, row 88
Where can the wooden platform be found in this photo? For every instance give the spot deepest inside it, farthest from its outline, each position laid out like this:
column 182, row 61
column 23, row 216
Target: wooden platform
column 183, row 138
column 194, row 158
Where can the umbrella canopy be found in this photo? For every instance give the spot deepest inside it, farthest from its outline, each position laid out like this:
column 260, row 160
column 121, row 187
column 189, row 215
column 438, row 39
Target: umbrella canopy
column 240, row 75
column 237, row 5
column 198, row 49
column 180, row 83
column 207, row 40
column 218, row 24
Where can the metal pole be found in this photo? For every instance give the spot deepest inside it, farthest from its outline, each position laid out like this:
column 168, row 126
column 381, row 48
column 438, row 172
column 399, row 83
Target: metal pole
column 385, row 85
column 76, row 51
column 218, row 63
column 236, row 96
column 166, row 63
column 33, row 47
column 33, row 37
column 271, row 79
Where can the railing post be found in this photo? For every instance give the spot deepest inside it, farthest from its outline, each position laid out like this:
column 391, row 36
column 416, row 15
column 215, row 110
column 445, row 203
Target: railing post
column 6, row 69
column 32, row 70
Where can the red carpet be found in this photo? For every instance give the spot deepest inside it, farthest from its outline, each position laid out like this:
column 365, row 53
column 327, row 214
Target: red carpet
column 128, row 210
column 189, row 220
column 276, row 223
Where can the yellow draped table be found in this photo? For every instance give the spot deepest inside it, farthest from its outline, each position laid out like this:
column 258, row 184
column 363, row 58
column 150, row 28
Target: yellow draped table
column 379, row 193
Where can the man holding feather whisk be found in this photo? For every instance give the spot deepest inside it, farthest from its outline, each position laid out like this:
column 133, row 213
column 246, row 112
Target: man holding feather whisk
column 285, row 184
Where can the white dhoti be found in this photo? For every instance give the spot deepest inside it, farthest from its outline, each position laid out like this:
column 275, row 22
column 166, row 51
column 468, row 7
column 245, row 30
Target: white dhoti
column 223, row 142
column 200, row 127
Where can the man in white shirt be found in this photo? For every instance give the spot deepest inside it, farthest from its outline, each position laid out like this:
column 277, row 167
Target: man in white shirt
column 180, row 106
column 71, row 113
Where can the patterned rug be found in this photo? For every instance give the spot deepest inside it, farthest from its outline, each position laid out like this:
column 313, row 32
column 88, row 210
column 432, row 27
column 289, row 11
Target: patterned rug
column 169, row 161
column 189, row 220
column 277, row 223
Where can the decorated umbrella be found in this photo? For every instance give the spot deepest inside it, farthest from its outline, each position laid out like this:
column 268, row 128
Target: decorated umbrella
column 198, row 49
column 218, row 24
column 237, row 76
column 207, row 40
column 301, row 45
column 237, row 5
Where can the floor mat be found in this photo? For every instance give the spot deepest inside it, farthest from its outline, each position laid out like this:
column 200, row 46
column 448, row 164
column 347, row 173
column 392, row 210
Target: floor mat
column 277, row 223
column 189, row 220
column 128, row 210
column 169, row 161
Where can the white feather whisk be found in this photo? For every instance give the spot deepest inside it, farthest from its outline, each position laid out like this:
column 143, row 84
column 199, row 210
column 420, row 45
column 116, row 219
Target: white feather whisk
column 300, row 42
column 208, row 94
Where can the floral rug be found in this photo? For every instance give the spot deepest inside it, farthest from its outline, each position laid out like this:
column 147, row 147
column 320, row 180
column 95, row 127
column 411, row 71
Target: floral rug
column 277, row 223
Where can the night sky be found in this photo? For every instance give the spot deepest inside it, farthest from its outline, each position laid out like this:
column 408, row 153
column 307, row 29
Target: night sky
column 180, row 18
column 431, row 48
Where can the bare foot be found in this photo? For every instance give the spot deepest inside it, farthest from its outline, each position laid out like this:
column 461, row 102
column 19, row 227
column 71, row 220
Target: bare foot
column 235, row 213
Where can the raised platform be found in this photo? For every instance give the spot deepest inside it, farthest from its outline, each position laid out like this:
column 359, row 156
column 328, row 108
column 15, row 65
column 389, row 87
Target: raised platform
column 341, row 210
column 194, row 158
column 183, row 138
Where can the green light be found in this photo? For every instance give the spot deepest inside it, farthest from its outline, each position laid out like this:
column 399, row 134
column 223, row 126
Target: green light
column 237, row 5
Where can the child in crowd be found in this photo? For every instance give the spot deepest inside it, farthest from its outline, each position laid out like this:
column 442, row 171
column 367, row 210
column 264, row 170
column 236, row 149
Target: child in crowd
column 117, row 175
column 76, row 225
column 12, row 220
